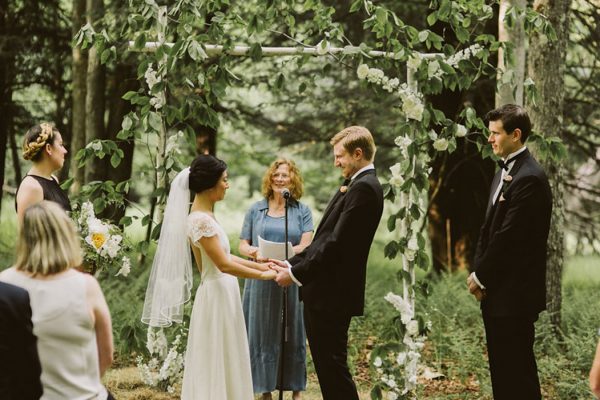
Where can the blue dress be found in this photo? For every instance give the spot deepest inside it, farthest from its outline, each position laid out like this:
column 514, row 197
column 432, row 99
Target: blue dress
column 262, row 302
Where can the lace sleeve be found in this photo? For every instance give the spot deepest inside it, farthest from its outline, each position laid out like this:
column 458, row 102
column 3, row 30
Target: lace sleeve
column 200, row 225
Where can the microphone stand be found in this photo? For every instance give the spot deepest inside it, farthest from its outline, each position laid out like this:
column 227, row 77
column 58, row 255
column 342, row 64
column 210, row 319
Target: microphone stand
column 284, row 305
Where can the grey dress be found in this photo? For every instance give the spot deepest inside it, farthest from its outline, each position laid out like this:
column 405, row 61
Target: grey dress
column 262, row 302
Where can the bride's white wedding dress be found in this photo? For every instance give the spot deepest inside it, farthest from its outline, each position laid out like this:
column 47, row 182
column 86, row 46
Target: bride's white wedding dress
column 217, row 359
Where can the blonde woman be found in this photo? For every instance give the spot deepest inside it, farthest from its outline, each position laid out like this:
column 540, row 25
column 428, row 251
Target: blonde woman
column 262, row 299
column 43, row 146
column 70, row 317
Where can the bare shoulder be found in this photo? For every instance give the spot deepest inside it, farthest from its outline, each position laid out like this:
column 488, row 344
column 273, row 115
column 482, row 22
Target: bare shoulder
column 30, row 186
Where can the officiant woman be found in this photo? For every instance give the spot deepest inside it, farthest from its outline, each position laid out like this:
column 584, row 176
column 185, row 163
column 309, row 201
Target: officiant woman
column 262, row 300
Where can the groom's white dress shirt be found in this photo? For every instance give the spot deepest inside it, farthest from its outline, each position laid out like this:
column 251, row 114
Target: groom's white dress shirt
column 368, row 167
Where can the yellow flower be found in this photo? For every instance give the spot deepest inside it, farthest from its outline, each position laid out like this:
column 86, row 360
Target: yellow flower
column 98, row 239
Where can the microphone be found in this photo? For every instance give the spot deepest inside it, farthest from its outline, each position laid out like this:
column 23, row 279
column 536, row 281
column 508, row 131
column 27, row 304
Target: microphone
column 286, row 193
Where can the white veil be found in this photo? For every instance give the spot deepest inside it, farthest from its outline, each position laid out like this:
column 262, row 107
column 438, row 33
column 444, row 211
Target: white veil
column 170, row 283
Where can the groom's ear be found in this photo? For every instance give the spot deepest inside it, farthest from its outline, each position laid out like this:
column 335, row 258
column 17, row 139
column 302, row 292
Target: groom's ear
column 358, row 153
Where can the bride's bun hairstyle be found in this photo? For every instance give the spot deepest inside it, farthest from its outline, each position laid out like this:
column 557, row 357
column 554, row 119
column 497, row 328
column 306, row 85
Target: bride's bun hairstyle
column 205, row 172
column 36, row 138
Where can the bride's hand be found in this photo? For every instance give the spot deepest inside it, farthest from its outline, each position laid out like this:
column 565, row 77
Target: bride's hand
column 268, row 275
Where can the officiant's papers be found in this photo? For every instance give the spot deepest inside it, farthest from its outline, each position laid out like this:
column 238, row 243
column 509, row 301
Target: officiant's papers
column 274, row 250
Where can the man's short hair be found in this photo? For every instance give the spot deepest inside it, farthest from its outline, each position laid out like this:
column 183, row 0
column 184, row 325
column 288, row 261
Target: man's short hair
column 355, row 137
column 512, row 117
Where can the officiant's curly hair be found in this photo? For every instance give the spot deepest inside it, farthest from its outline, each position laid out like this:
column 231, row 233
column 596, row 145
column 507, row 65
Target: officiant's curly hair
column 48, row 241
column 355, row 137
column 296, row 185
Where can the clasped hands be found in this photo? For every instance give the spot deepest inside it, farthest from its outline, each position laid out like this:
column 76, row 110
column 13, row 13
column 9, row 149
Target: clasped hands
column 474, row 288
column 283, row 277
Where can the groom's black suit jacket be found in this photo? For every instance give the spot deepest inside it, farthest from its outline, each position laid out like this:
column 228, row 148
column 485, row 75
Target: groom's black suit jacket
column 20, row 368
column 510, row 260
column 332, row 269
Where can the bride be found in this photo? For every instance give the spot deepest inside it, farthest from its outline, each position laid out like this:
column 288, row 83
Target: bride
column 217, row 360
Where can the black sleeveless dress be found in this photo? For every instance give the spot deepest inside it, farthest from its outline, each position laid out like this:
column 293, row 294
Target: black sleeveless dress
column 52, row 192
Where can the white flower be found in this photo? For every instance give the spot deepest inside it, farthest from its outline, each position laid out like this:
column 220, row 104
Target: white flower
column 401, row 359
column 97, row 234
column 377, row 362
column 375, row 75
column 392, row 396
column 362, row 71
column 397, row 179
column 158, row 100
column 391, row 382
column 125, row 268
column 461, row 130
column 432, row 134
column 87, row 212
column 112, row 246
column 414, row 61
column 403, row 306
column 151, row 77
column 412, row 328
column 440, row 144
column 323, row 47
column 391, row 84
column 412, row 107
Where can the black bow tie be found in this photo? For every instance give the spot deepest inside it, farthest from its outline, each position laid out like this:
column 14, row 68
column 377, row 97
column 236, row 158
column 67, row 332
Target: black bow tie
column 505, row 164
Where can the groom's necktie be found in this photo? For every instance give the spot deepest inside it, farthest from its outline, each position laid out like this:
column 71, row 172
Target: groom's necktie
column 505, row 164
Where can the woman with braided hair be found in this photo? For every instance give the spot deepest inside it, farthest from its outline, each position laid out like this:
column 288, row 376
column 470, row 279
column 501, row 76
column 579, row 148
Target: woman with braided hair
column 43, row 145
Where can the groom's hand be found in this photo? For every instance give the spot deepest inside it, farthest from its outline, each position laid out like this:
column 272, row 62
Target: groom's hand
column 283, row 277
column 475, row 289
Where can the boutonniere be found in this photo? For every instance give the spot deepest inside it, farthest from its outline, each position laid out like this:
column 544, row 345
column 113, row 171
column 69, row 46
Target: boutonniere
column 344, row 189
column 507, row 178
column 502, row 198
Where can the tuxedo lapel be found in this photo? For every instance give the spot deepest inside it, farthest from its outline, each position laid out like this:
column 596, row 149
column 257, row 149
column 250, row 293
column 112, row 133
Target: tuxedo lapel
column 338, row 197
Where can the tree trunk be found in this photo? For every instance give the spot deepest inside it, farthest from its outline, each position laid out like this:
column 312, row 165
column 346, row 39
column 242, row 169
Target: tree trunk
column 123, row 80
column 14, row 151
column 546, row 68
column 6, row 81
column 95, row 98
column 511, row 66
column 79, row 74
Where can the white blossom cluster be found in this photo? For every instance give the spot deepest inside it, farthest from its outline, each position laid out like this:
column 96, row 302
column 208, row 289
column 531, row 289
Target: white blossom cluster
column 412, row 103
column 464, row 54
column 165, row 367
column 158, row 100
column 404, row 363
column 125, row 267
column 172, row 146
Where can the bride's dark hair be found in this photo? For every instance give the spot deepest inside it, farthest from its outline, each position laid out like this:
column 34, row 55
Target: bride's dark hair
column 205, row 172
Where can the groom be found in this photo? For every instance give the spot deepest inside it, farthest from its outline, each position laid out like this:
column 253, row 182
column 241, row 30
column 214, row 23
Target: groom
column 331, row 271
column 510, row 261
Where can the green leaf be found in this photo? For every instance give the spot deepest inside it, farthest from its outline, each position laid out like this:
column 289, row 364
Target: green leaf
column 115, row 160
column 255, row 52
column 422, row 260
column 423, row 35
column 127, row 123
column 381, row 15
column 391, row 223
column 140, row 42
column 391, row 250
column 129, row 95
column 155, row 121
column 432, row 18
column 196, row 51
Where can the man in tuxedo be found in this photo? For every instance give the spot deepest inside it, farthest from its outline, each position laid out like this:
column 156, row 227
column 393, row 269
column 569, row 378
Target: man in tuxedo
column 20, row 368
column 510, row 260
column 331, row 272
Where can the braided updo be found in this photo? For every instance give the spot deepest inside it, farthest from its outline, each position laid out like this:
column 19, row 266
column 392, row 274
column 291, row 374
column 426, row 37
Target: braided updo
column 205, row 172
column 36, row 138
